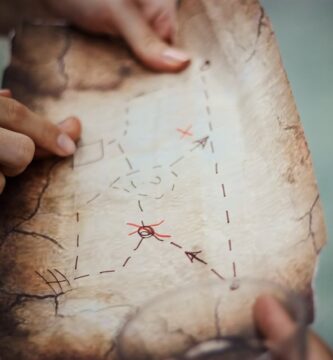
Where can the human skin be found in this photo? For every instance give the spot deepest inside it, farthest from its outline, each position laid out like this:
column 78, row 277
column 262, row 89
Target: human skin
column 275, row 324
column 25, row 135
column 149, row 26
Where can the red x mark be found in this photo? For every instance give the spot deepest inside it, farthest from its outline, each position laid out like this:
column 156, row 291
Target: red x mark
column 147, row 231
column 185, row 132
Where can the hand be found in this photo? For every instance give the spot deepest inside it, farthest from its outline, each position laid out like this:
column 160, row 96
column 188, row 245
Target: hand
column 25, row 135
column 276, row 326
column 147, row 26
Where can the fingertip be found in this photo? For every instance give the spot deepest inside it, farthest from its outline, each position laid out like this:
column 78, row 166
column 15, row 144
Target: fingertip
column 75, row 127
column 66, row 144
column 175, row 59
column 70, row 132
column 272, row 320
column 6, row 93
column 155, row 53
column 260, row 310
column 72, row 127
column 169, row 59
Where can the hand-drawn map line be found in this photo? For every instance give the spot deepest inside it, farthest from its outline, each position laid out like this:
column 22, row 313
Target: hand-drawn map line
column 54, row 281
column 198, row 143
column 76, row 262
column 100, row 154
column 145, row 232
column 193, row 256
column 216, row 167
column 148, row 231
column 17, row 227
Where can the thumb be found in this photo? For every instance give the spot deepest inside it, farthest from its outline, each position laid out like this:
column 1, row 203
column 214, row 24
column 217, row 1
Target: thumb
column 145, row 43
column 272, row 320
column 277, row 327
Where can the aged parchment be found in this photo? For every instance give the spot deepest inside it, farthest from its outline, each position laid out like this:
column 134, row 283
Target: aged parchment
column 204, row 174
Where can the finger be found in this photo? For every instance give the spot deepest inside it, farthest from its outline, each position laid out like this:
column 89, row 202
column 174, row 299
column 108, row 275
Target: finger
column 144, row 42
column 272, row 320
column 317, row 349
column 276, row 326
column 162, row 15
column 18, row 118
column 6, row 93
column 164, row 27
column 16, row 152
column 2, row 182
column 71, row 126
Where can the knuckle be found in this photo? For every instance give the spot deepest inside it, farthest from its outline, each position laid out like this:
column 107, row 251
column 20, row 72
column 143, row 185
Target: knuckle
column 25, row 151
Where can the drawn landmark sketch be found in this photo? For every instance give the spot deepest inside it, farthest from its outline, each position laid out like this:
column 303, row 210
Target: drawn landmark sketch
column 89, row 153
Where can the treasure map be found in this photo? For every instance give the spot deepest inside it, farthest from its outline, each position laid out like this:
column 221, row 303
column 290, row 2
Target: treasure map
column 178, row 178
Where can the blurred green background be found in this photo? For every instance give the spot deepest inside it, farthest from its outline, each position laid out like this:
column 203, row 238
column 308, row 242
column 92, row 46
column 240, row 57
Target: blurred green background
column 304, row 29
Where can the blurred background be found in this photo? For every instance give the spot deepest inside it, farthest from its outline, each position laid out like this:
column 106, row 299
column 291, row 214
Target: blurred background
column 304, row 29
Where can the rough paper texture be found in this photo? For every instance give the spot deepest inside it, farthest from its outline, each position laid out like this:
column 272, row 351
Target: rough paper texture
column 204, row 174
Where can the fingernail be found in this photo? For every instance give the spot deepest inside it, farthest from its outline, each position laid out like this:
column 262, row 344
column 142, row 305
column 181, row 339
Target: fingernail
column 66, row 144
column 176, row 55
column 5, row 93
